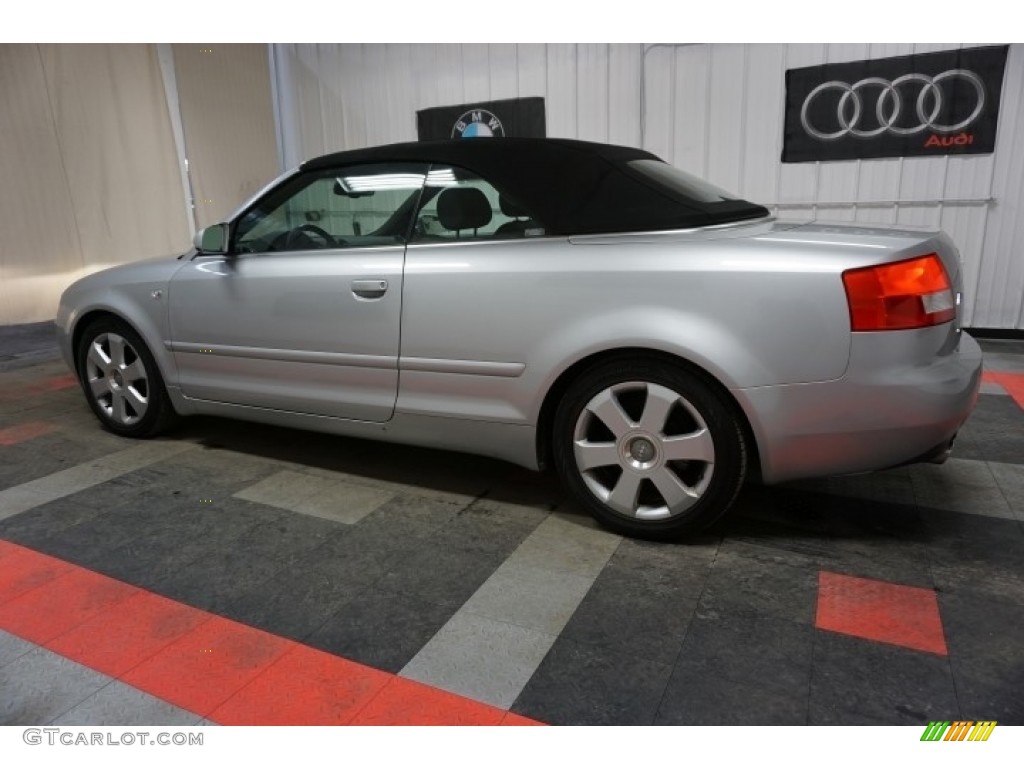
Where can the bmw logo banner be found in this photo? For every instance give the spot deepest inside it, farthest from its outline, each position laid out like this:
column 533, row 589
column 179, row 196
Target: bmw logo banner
column 500, row 119
column 942, row 103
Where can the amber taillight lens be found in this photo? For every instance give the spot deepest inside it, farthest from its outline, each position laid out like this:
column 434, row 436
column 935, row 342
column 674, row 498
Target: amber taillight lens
column 907, row 294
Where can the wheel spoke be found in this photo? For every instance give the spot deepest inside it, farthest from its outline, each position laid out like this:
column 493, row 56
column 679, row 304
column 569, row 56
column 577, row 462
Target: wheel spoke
column 677, row 496
column 590, row 455
column 97, row 356
column 135, row 371
column 606, row 407
column 696, row 446
column 116, row 349
column 656, row 410
column 99, row 387
column 138, row 402
column 119, row 411
column 624, row 496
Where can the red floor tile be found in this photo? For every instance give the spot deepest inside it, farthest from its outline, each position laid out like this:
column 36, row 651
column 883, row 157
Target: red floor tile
column 24, row 570
column 305, row 687
column 204, row 668
column 406, row 702
column 880, row 611
column 123, row 637
column 19, row 433
column 59, row 605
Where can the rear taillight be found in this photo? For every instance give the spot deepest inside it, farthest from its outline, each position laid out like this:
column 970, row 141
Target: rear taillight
column 908, row 294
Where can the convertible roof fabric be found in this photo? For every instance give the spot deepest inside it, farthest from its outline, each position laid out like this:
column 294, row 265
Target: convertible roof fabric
column 570, row 187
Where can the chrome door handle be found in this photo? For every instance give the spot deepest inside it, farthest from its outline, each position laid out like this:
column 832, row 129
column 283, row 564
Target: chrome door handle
column 369, row 289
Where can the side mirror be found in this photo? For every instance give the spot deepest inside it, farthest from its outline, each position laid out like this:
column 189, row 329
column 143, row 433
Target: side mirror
column 212, row 239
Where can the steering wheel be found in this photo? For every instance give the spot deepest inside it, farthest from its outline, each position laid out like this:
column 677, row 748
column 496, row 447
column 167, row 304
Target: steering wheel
column 327, row 237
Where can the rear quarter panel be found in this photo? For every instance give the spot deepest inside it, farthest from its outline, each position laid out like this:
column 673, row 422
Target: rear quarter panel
column 745, row 304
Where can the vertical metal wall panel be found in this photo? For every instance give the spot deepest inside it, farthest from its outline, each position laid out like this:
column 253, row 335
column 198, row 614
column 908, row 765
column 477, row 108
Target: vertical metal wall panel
column 685, row 122
column 532, row 69
column 624, row 94
column 798, row 182
column 561, row 91
column 658, row 110
column 762, row 130
column 592, row 82
column 715, row 110
column 503, row 69
column 1001, row 282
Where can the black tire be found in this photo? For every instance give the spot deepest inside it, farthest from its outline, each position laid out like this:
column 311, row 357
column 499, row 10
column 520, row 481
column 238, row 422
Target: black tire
column 133, row 405
column 700, row 424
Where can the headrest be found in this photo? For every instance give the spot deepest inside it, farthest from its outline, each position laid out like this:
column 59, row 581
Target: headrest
column 510, row 208
column 463, row 208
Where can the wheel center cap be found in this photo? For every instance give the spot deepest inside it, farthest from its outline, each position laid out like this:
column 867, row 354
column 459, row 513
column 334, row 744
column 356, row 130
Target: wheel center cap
column 642, row 449
column 116, row 378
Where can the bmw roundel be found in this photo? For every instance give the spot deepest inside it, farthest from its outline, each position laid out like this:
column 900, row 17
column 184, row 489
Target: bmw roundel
column 477, row 123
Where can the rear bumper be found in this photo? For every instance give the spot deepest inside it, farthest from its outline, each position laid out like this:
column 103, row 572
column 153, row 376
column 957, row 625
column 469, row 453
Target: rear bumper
column 888, row 409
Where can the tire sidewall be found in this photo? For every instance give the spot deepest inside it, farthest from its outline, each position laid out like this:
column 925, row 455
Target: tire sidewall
column 730, row 453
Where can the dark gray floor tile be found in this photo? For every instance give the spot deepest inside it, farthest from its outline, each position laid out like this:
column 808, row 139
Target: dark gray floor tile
column 380, row 629
column 750, row 649
column 487, row 529
column 581, row 684
column 631, row 611
column 408, row 517
column 894, row 685
column 701, row 697
column 293, row 603
column 983, row 636
column 994, row 432
column 756, row 583
column 437, row 574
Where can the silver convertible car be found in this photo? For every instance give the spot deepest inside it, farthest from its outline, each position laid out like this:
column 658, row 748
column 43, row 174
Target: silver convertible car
column 551, row 303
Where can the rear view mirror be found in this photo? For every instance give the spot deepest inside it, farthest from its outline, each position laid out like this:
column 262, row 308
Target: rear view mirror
column 212, row 239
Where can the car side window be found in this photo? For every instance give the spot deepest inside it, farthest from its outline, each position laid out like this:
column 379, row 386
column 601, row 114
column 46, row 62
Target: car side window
column 457, row 204
column 355, row 206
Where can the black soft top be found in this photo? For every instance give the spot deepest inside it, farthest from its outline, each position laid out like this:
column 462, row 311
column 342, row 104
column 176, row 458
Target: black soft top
column 572, row 187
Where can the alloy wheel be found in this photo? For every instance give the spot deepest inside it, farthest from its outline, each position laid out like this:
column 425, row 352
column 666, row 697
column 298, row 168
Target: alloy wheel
column 643, row 450
column 117, row 379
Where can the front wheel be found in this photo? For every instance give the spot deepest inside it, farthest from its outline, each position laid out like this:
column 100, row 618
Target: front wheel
column 650, row 449
column 121, row 380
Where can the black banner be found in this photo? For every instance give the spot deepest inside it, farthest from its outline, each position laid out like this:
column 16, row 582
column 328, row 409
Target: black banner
column 504, row 118
column 925, row 104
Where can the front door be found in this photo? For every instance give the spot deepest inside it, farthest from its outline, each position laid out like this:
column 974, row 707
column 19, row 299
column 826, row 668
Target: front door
column 304, row 315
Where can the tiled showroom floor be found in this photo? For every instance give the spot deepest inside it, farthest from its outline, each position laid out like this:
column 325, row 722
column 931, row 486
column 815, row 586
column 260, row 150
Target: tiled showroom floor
column 239, row 574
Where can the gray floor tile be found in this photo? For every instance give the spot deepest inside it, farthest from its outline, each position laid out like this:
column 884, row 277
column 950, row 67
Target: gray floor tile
column 39, row 686
column 120, row 704
column 530, row 597
column 561, row 543
column 12, row 647
column 486, row 660
column 285, row 489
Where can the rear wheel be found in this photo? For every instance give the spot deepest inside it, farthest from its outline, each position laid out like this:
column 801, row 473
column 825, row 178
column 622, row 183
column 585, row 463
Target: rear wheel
column 649, row 448
column 121, row 380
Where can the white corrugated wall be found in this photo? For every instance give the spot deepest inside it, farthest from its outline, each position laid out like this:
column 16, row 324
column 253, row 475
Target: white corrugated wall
column 713, row 109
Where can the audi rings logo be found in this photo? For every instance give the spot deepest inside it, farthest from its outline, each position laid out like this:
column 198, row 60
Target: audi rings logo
column 893, row 103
